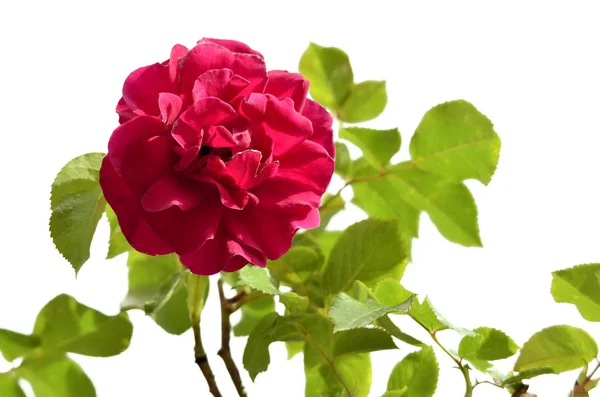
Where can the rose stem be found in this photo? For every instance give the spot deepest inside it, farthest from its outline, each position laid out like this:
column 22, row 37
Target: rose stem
column 201, row 358
column 225, row 351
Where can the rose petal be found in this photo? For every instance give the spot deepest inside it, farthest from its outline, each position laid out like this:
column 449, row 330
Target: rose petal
column 143, row 85
column 283, row 84
column 186, row 231
column 218, row 137
column 220, row 83
column 129, row 213
column 321, row 121
column 170, row 106
column 284, row 195
column 177, row 52
column 124, row 111
column 172, row 191
column 232, row 45
column 140, row 127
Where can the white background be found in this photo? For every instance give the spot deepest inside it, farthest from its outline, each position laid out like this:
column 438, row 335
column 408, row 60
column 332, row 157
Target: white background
column 532, row 67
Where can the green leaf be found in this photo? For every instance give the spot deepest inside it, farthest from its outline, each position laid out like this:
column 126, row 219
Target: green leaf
column 330, row 74
column 489, row 344
column 9, row 385
column 391, row 293
column 294, row 347
column 450, row 205
column 14, row 345
column 427, row 316
column 386, row 323
column 56, row 376
column 456, row 141
column 117, row 244
column 560, row 347
column 77, row 205
column 343, row 162
column 366, row 251
column 366, row 101
column 147, row 274
column 252, row 313
column 269, row 329
column 330, row 207
column 361, row 340
column 526, row 374
column 259, row 279
column 579, row 285
column 418, row 372
column 479, row 364
column 65, row 325
column 294, row 302
column 395, row 393
column 296, row 266
column 378, row 146
column 347, row 313
column 169, row 308
column 354, row 369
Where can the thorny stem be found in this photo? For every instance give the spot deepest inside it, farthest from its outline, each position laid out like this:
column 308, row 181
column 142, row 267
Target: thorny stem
column 202, row 360
column 225, row 351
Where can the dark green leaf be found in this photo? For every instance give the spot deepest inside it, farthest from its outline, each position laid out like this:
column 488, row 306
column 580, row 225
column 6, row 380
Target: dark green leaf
column 386, row 323
column 560, row 347
column 147, row 274
column 347, row 313
column 169, row 308
column 297, row 265
column 579, row 285
column 343, row 162
column 418, row 372
column 252, row 313
column 259, row 279
column 65, row 325
column 14, row 345
column 269, row 329
column 330, row 74
column 9, row 385
column 318, row 335
column 378, row 146
column 527, row 374
column 457, row 141
column 366, row 251
column 366, row 101
column 56, row 376
column 489, row 344
column 77, row 205
column 361, row 340
column 117, row 244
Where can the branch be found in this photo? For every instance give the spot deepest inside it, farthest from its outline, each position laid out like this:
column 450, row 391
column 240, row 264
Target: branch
column 202, row 360
column 225, row 351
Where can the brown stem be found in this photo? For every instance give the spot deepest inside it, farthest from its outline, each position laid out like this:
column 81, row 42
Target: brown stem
column 202, row 361
column 225, row 351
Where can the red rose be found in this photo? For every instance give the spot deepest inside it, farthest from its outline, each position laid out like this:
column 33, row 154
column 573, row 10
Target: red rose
column 217, row 159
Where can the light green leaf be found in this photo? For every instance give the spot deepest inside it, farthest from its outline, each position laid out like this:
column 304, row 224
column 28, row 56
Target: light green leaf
column 366, row 251
column 579, row 285
column 354, row 369
column 427, row 316
column 489, row 344
column 294, row 302
column 418, row 372
column 391, row 293
column 56, row 376
column 330, row 207
column 456, row 141
column 77, row 205
column 347, row 313
column 169, row 308
column 117, row 244
column 259, row 279
column 9, row 385
column 560, row 347
column 386, row 323
column 65, row 325
column 395, row 393
column 361, row 340
column 252, row 313
column 480, row 365
column 343, row 162
column 14, row 345
column 296, row 266
column 147, row 274
column 294, row 347
column 318, row 335
column 269, row 329
column 526, row 374
column 378, row 146
column 366, row 101
column 330, row 74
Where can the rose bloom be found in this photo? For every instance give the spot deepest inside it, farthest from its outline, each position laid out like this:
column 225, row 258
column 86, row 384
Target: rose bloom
column 217, row 159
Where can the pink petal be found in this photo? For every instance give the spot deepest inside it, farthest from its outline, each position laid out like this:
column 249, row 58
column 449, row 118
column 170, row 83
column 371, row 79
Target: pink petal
column 177, row 53
column 284, row 195
column 172, row 191
column 124, row 111
column 129, row 213
column 146, row 161
column 234, row 199
column 309, row 220
column 283, row 84
column 243, row 167
column 218, row 137
column 186, row 231
column 232, row 45
column 170, row 106
column 140, row 127
column 220, row 83
column 143, row 85
column 321, row 121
